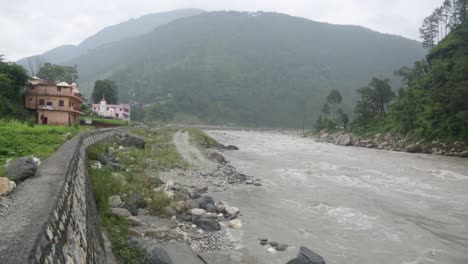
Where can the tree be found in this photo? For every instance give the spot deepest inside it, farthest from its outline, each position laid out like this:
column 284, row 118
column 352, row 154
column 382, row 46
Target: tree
column 343, row 118
column 13, row 78
column 334, row 98
column 375, row 99
column 58, row 73
column 105, row 89
column 326, row 109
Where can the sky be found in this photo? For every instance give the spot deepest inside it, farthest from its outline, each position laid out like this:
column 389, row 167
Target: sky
column 31, row 27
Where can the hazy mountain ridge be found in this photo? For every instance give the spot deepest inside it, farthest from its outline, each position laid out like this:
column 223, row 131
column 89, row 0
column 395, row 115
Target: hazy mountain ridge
column 128, row 29
column 247, row 68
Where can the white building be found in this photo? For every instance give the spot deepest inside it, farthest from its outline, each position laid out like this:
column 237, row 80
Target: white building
column 120, row 111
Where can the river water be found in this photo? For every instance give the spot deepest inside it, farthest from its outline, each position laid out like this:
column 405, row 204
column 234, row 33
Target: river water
column 350, row 205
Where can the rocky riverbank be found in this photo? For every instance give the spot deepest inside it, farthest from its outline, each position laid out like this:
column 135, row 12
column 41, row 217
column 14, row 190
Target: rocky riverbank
column 394, row 143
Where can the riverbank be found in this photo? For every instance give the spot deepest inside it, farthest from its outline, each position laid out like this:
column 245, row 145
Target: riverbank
column 394, row 143
column 156, row 189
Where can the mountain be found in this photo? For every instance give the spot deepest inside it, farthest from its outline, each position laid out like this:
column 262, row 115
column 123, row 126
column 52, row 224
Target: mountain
column 261, row 68
column 128, row 29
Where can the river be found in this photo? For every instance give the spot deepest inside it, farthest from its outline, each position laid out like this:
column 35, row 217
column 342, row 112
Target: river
column 350, row 205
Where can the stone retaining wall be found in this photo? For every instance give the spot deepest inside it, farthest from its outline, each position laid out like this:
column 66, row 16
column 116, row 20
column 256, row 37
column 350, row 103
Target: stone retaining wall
column 72, row 233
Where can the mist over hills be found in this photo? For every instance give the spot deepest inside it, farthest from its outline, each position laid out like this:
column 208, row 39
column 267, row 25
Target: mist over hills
column 127, row 29
column 261, row 68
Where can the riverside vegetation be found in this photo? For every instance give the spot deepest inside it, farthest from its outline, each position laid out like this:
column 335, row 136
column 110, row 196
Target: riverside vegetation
column 125, row 174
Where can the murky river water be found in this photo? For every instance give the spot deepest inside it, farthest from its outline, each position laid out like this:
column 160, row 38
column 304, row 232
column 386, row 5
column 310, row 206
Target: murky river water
column 350, row 205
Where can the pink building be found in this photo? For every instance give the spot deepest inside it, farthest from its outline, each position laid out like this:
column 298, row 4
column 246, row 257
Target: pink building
column 120, row 111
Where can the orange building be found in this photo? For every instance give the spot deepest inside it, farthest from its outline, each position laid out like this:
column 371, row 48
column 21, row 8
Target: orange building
column 55, row 103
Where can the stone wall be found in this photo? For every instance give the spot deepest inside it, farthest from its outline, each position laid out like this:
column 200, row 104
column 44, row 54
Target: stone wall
column 72, row 233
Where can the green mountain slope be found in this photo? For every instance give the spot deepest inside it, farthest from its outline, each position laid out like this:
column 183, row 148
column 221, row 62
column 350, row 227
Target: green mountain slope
column 261, row 69
column 435, row 103
column 131, row 28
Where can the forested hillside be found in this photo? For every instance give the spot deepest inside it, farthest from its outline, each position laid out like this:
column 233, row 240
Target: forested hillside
column 433, row 103
column 261, row 69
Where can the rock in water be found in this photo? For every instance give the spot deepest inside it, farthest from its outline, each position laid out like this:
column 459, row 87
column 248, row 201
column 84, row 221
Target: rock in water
column 231, row 147
column 236, row 223
column 6, row 186
column 344, row 140
column 159, row 256
column 209, row 225
column 21, row 169
column 217, row 157
column 281, row 247
column 464, row 154
column 307, row 256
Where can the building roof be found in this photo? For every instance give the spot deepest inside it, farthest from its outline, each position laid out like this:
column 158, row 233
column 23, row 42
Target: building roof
column 63, row 84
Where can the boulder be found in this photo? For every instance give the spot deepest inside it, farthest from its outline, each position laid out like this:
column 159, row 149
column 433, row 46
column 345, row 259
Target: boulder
column 170, row 211
column 208, row 225
column 21, row 169
column 134, row 220
column 138, row 200
column 232, row 210
column 217, row 157
column 236, row 223
column 130, row 207
column 103, row 159
column 344, row 140
column 158, row 256
column 133, row 141
column 6, row 186
column 201, row 202
column 198, row 212
column 281, row 247
column 307, row 256
column 210, row 208
column 221, row 206
column 114, row 201
column 181, row 206
column 413, row 148
column 464, row 154
column 120, row 212
column 231, row 147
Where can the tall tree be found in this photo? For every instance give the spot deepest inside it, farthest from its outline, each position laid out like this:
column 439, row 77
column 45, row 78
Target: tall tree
column 105, row 89
column 58, row 73
column 13, row 78
column 334, row 98
column 375, row 99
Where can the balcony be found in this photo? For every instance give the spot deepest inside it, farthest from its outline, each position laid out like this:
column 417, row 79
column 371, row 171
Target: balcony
column 61, row 108
column 55, row 93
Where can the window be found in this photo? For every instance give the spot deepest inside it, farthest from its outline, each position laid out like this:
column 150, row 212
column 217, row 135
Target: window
column 59, row 89
column 49, row 103
column 61, row 103
column 41, row 102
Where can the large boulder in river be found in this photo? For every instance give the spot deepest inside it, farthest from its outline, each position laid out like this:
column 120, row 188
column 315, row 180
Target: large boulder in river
column 6, row 186
column 133, row 141
column 217, row 157
column 307, row 256
column 231, row 147
column 344, row 140
column 21, row 169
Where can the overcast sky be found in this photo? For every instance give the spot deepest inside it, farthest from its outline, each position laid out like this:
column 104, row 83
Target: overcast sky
column 30, row 27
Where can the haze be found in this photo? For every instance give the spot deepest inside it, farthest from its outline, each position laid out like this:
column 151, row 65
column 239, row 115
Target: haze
column 49, row 24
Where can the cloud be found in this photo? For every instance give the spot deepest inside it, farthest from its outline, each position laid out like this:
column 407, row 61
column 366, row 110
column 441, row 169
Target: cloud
column 31, row 27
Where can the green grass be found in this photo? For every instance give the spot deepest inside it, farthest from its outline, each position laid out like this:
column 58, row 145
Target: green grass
column 161, row 149
column 19, row 139
column 202, row 140
column 114, row 121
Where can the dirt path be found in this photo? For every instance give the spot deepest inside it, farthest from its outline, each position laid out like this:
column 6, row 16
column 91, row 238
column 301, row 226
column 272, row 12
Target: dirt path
column 191, row 153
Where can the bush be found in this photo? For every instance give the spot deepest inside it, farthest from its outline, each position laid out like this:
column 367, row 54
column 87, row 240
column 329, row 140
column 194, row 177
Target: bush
column 159, row 202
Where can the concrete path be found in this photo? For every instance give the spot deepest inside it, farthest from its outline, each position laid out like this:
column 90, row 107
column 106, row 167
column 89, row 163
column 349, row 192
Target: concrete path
column 30, row 205
column 191, row 153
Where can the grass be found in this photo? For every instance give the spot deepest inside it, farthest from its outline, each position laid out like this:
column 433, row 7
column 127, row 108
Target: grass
column 161, row 149
column 18, row 139
column 202, row 140
column 96, row 119
column 108, row 181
